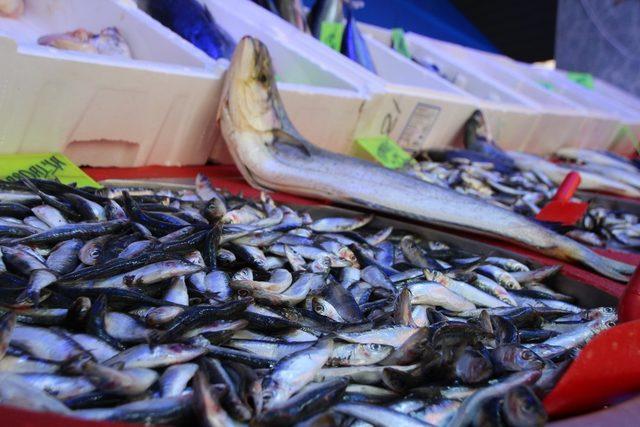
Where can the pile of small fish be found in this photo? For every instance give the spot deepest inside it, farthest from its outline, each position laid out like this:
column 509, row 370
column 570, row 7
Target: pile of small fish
column 180, row 305
column 526, row 192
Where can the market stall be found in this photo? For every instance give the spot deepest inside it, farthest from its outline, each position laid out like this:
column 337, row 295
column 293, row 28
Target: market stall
column 288, row 217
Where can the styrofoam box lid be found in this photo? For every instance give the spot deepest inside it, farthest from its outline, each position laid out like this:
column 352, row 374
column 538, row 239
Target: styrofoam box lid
column 153, row 47
column 295, row 60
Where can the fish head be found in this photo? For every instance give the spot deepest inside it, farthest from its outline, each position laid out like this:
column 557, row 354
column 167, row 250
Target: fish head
column 473, row 367
column 249, row 94
column 252, row 118
column 521, row 407
column 367, row 351
column 513, row 358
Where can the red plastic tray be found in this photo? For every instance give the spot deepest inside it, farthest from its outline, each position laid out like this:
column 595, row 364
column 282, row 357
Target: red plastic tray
column 228, row 177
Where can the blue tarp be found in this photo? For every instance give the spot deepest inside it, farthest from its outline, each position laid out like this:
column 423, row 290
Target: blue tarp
column 434, row 18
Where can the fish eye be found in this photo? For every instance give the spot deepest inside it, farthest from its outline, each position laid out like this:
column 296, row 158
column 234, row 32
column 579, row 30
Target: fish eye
column 527, row 355
column 318, row 307
column 375, row 347
column 610, row 324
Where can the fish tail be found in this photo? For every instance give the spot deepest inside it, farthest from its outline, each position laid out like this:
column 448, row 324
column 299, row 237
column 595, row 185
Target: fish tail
column 31, row 296
column 606, row 266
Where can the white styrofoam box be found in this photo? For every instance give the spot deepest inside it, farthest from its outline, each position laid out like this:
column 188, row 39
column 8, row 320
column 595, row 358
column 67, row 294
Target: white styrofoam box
column 158, row 108
column 599, row 110
column 562, row 123
column 614, row 93
column 403, row 101
column 625, row 105
column 600, row 124
column 418, row 109
column 422, row 111
column 323, row 104
column 515, row 120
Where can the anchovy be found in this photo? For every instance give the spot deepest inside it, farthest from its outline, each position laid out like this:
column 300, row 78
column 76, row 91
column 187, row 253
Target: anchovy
column 198, row 316
column 74, row 231
column 59, row 386
column 378, row 416
column 17, row 392
column 470, row 406
column 294, row 372
column 128, row 382
column 144, row 356
column 175, row 378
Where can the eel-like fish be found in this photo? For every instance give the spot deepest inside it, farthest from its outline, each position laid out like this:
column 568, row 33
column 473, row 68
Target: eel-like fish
column 272, row 155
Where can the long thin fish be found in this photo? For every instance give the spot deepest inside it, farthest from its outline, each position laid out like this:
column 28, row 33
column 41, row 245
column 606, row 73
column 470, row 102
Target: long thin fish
column 271, row 154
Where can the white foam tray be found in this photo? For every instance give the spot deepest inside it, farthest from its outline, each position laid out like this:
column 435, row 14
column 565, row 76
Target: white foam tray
column 323, row 103
column 403, row 101
column 516, row 120
column 624, row 105
column 104, row 111
column 603, row 114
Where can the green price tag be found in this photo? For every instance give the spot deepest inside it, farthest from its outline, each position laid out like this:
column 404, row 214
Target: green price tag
column 626, row 134
column 584, row 79
column 399, row 43
column 54, row 166
column 331, row 34
column 548, row 86
column 385, row 150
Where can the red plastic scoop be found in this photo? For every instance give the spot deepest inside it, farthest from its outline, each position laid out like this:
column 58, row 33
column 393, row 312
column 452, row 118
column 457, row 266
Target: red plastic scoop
column 629, row 305
column 561, row 209
column 608, row 368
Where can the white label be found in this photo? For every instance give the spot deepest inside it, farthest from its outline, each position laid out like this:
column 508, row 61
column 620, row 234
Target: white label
column 417, row 129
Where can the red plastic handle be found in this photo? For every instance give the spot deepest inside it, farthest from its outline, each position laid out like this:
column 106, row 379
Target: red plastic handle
column 567, row 189
column 629, row 305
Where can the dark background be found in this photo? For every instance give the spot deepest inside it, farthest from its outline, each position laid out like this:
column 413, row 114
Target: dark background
column 521, row 29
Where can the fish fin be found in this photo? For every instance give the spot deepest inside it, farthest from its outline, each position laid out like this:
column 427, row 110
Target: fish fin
column 292, row 138
column 468, row 268
column 75, row 364
column 28, row 296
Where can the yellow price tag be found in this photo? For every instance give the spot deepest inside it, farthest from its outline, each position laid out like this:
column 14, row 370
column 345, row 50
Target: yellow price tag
column 54, row 166
column 331, row 34
column 625, row 134
column 385, row 150
column 399, row 43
